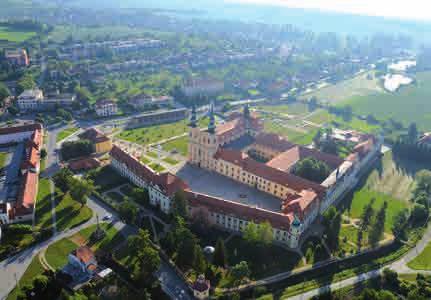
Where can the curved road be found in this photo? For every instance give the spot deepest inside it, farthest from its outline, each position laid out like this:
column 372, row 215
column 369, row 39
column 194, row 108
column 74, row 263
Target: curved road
column 399, row 266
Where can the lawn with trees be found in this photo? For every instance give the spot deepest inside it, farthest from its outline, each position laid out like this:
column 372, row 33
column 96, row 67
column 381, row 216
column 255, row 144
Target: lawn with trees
column 65, row 133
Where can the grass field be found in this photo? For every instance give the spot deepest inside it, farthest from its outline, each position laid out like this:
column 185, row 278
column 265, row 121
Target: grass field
column 15, row 36
column 295, row 136
column 56, row 254
column 170, row 161
column 363, row 196
column 356, row 86
column 157, row 167
column 394, row 176
column 180, row 145
column 409, row 104
column 423, row 260
column 145, row 160
column 157, row 133
column 43, row 205
column 3, row 157
column 65, row 133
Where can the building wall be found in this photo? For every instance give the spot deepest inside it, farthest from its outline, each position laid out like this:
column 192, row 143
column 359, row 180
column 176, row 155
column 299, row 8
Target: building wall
column 103, row 147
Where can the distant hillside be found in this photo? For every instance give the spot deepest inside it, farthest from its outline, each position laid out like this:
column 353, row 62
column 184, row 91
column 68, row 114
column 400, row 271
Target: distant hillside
column 307, row 19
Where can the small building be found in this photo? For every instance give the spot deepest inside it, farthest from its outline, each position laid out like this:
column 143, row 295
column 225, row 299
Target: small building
column 105, row 108
column 202, row 86
column 34, row 100
column 84, row 260
column 201, row 288
column 17, row 57
column 146, row 101
column 101, row 143
column 86, row 163
column 158, row 117
column 30, row 99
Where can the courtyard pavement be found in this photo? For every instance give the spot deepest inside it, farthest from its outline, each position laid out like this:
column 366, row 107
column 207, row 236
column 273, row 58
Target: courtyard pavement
column 213, row 184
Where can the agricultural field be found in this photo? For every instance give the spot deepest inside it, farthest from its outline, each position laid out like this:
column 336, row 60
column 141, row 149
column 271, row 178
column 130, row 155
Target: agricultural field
column 15, row 36
column 157, row 133
column 289, row 109
column 362, row 85
column 423, row 260
column 409, row 104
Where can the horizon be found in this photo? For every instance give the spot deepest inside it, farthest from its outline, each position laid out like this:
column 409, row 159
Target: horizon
column 415, row 10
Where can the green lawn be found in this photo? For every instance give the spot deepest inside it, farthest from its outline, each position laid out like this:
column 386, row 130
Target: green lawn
column 409, row 104
column 154, row 134
column 423, row 260
column 357, row 86
column 295, row 136
column 43, row 205
column 145, row 160
column 170, row 161
column 15, row 36
column 157, row 167
column 152, row 154
column 65, row 133
column 394, row 176
column 363, row 196
column 179, row 145
column 56, row 254
column 15, row 240
column 3, row 157
column 70, row 213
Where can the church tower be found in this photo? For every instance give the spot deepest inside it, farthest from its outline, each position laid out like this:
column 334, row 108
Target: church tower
column 194, row 138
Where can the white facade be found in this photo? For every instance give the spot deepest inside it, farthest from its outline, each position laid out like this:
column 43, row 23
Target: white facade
column 30, row 99
column 105, row 109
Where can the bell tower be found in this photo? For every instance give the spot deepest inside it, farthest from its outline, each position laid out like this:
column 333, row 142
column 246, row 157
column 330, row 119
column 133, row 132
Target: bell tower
column 194, row 138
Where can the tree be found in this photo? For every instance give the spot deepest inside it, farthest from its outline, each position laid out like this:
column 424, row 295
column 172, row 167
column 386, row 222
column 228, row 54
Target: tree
column 332, row 223
column 377, row 230
column 80, row 189
column 423, row 183
column 251, row 233
column 141, row 195
column 4, row 92
column 312, row 169
column 390, row 278
column 220, row 254
column 186, row 249
column 63, row 179
column 419, row 214
column 399, row 225
column 413, row 133
column 74, row 149
column 179, row 206
column 199, row 263
column 367, row 215
column 26, row 82
column 240, row 271
column 128, row 212
column 43, row 153
column 265, row 233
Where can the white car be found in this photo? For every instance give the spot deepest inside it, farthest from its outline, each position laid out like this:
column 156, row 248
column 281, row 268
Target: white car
column 107, row 217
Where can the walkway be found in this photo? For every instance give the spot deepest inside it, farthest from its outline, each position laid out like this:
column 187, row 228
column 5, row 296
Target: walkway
column 399, row 266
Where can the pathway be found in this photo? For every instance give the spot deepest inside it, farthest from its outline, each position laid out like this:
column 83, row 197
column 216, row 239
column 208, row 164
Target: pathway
column 399, row 266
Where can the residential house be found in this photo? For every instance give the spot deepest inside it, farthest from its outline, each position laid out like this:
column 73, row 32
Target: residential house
column 17, row 57
column 101, row 143
column 105, row 108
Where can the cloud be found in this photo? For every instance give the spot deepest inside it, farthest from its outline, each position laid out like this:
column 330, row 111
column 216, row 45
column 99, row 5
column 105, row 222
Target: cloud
column 411, row 9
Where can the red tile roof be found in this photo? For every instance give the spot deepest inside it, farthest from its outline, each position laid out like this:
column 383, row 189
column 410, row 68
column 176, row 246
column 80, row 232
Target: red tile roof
column 22, row 128
column 84, row 254
column 238, row 210
column 363, row 148
column 299, row 204
column 133, row 164
column 84, row 164
column 250, row 165
column 273, row 141
column 168, row 182
column 287, row 159
column 94, row 135
column 28, row 191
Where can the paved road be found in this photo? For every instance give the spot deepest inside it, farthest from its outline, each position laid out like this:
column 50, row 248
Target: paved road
column 399, row 266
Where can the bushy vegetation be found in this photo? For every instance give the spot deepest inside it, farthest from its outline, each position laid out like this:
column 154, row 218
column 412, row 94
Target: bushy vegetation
column 312, row 169
column 74, row 149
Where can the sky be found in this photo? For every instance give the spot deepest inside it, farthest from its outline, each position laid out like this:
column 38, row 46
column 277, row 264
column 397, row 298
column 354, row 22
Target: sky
column 404, row 9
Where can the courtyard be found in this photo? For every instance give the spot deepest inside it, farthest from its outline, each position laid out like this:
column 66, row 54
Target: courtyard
column 213, row 184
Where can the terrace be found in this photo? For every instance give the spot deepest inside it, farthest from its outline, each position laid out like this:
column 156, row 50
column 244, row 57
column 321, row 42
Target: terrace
column 213, row 184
